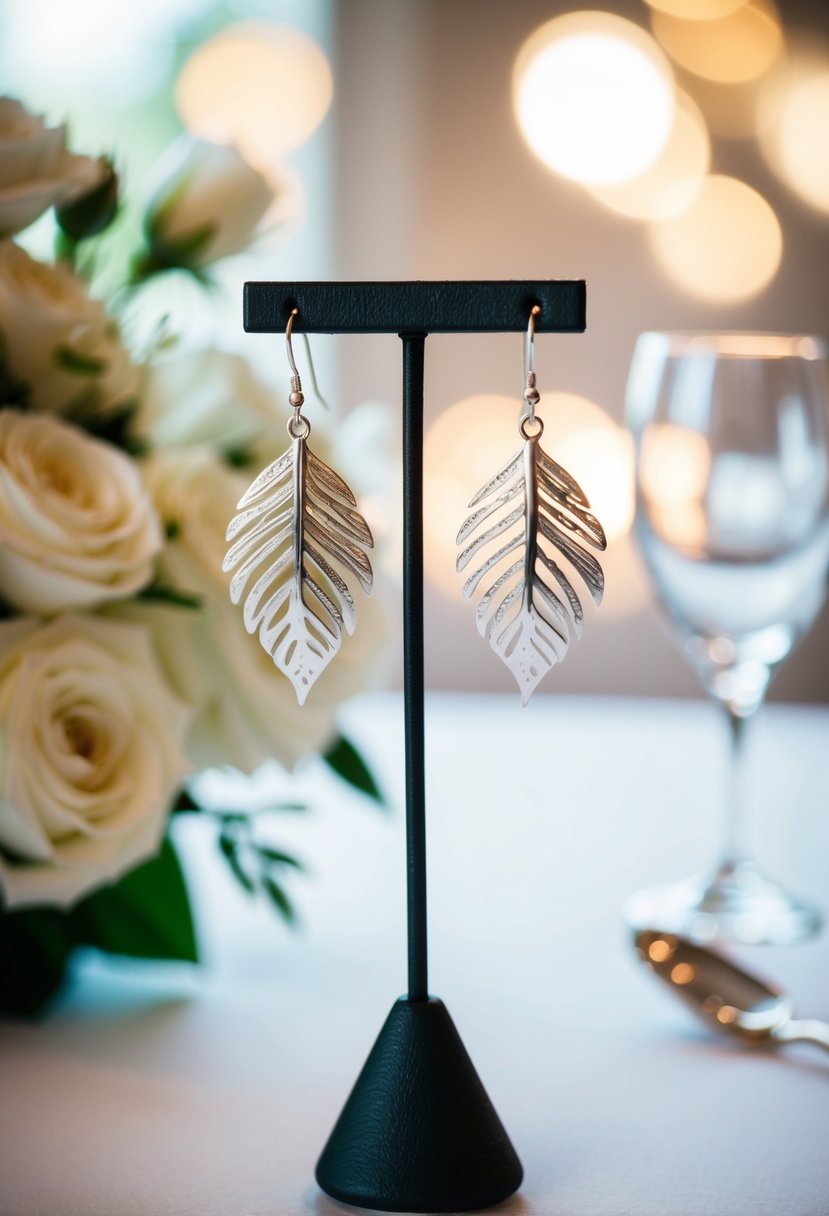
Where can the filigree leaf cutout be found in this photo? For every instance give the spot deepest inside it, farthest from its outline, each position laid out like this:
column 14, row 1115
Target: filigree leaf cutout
column 296, row 538
column 532, row 506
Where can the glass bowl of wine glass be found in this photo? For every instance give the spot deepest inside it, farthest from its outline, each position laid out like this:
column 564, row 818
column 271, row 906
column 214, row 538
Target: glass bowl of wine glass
column 732, row 474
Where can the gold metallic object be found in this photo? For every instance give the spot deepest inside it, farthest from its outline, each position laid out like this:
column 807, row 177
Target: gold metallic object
column 725, row 996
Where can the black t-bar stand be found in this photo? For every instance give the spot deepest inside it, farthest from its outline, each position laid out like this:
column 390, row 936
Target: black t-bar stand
column 418, row 1132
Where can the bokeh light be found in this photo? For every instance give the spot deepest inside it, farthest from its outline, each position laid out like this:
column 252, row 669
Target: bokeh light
column 593, row 96
column 264, row 87
column 726, row 247
column 792, row 121
column 697, row 10
column 683, row 973
column 674, row 464
column 462, row 448
column 473, row 438
column 599, row 454
column 672, row 183
column 730, row 109
column 737, row 47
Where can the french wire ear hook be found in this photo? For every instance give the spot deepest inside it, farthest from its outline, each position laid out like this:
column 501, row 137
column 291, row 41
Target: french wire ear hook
column 295, row 377
column 531, row 393
column 529, row 611
column 296, row 541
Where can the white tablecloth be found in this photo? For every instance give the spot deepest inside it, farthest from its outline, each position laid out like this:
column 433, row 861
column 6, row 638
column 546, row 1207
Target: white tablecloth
column 155, row 1090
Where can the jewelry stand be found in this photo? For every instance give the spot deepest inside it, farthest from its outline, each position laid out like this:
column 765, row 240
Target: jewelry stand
column 418, row 1132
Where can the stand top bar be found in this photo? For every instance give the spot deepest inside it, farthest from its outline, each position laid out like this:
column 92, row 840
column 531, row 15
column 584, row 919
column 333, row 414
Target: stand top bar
column 476, row 306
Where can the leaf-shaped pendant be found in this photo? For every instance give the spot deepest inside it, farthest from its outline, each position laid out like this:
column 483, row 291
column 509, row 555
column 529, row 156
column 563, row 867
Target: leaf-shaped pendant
column 535, row 503
column 297, row 518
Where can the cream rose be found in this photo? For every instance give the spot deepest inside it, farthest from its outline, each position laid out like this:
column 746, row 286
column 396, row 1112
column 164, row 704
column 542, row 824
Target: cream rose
column 36, row 171
column 206, row 395
column 207, row 203
column 246, row 709
column 91, row 756
column 77, row 526
column 58, row 340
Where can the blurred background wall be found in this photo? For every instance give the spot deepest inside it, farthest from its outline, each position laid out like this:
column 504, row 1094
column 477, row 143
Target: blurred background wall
column 436, row 181
column 419, row 170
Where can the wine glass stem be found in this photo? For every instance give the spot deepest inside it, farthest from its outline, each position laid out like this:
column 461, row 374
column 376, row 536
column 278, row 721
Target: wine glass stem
column 734, row 847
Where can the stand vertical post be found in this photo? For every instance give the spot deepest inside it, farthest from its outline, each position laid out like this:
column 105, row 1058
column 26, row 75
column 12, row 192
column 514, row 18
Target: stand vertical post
column 413, row 661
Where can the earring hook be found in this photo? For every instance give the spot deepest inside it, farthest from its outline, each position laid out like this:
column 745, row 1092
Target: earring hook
column 296, row 383
column 531, row 393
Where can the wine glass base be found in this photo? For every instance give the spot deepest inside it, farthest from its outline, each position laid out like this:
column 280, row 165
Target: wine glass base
column 738, row 903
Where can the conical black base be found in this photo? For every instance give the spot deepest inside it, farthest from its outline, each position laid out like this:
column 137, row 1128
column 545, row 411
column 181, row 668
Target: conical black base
column 418, row 1132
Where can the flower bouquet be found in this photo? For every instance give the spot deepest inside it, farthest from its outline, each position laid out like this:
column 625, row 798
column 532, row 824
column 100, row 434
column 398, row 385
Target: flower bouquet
column 124, row 668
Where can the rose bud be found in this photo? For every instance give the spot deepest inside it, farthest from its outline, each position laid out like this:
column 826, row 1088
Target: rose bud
column 89, row 213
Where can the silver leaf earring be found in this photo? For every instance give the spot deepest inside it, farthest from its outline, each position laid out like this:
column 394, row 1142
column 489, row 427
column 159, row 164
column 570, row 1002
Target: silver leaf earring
column 536, row 504
column 295, row 520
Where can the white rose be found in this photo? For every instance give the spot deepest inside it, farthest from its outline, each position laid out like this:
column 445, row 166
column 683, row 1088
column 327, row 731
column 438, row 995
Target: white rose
column 206, row 396
column 36, row 171
column 58, row 340
column 77, row 526
column 91, row 756
column 246, row 709
column 208, row 203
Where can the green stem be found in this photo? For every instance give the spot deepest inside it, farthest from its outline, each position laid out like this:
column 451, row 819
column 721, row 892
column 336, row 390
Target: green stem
column 66, row 248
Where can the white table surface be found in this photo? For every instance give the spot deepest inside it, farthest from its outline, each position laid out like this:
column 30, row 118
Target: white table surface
column 209, row 1092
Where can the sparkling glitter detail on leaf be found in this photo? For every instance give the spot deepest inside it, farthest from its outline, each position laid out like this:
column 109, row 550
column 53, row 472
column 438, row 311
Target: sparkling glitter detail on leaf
column 296, row 538
column 530, row 608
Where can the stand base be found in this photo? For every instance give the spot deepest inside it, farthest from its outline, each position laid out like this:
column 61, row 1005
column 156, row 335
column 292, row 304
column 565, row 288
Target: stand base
column 418, row 1132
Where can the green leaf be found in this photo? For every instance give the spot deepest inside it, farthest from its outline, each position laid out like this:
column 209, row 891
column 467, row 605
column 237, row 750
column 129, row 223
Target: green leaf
column 184, row 804
column 164, row 594
column 240, row 457
column 145, row 915
column 13, row 392
column 229, row 848
column 92, row 212
column 113, row 424
column 82, row 365
column 279, row 900
column 182, row 252
column 35, row 944
column 185, row 250
column 348, row 764
column 277, row 857
column 65, row 248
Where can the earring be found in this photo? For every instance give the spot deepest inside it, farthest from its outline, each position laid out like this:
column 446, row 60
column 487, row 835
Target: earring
column 536, row 503
column 294, row 520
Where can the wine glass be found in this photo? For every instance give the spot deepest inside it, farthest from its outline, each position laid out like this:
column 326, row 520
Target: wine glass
column 732, row 443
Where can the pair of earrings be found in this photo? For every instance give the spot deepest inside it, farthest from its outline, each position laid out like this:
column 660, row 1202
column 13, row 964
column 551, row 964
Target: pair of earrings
column 299, row 516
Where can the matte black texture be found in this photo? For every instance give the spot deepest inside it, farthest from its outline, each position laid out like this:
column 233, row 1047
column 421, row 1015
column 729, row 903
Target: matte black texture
column 418, row 1132
column 413, row 662
column 437, row 308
